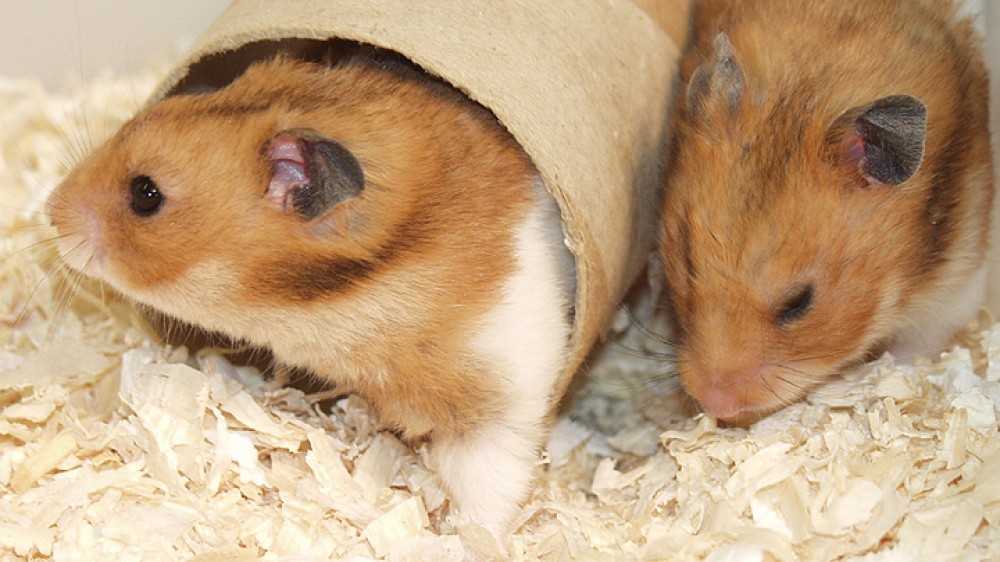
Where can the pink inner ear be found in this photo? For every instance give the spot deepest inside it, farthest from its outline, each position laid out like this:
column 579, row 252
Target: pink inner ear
column 288, row 171
column 853, row 154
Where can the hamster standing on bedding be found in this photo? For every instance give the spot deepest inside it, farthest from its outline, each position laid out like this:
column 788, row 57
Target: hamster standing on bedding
column 366, row 222
column 828, row 195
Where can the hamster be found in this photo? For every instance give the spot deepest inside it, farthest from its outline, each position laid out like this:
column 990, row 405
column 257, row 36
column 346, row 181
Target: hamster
column 828, row 193
column 364, row 221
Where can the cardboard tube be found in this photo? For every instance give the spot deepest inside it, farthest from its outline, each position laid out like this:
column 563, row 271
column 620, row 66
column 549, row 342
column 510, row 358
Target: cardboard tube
column 583, row 86
column 673, row 17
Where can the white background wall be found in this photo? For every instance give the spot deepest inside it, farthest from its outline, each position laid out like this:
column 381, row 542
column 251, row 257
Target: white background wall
column 57, row 39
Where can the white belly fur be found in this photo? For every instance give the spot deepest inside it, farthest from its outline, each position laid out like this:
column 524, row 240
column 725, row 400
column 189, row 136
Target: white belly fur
column 526, row 337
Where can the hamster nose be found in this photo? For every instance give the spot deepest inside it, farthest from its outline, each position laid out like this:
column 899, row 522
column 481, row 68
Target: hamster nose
column 721, row 402
column 727, row 391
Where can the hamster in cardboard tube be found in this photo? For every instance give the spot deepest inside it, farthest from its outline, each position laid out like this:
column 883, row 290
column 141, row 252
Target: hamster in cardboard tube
column 366, row 222
column 828, row 193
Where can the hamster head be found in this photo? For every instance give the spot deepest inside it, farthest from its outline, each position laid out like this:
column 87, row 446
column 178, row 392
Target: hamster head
column 788, row 234
column 295, row 184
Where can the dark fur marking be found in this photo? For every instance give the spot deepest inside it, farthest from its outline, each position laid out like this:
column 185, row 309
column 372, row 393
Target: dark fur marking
column 946, row 180
column 943, row 197
column 391, row 62
column 234, row 111
column 684, row 235
column 771, row 152
column 305, row 282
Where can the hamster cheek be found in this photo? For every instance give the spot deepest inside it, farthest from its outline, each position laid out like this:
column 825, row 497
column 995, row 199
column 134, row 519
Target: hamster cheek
column 201, row 296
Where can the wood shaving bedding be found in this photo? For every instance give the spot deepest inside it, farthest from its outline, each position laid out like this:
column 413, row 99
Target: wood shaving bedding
column 115, row 446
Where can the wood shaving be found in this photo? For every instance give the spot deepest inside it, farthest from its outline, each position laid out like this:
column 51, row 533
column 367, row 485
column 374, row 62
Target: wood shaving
column 115, row 446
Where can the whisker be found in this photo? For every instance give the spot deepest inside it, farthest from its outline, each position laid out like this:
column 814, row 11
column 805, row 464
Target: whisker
column 74, row 151
column 819, row 357
column 20, row 317
column 647, row 332
column 87, row 131
column 64, row 297
column 31, row 228
column 639, row 353
column 34, row 173
column 787, row 382
column 30, row 249
column 74, row 135
column 792, row 370
column 71, row 281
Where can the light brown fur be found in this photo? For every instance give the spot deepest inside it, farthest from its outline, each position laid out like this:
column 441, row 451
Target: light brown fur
column 384, row 294
column 760, row 199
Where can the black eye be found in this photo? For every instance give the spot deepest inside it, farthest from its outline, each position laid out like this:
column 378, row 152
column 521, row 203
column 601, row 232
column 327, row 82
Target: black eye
column 146, row 196
column 797, row 306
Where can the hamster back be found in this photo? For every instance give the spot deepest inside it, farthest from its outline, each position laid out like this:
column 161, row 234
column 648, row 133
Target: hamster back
column 829, row 191
column 364, row 221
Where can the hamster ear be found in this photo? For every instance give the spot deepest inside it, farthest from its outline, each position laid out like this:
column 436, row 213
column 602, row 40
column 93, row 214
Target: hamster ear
column 718, row 79
column 310, row 174
column 883, row 140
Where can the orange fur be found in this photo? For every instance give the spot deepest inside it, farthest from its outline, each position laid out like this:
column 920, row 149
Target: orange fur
column 384, row 293
column 760, row 201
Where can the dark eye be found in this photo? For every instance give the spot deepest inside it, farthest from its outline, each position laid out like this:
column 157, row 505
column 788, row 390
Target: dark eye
column 797, row 306
column 146, row 196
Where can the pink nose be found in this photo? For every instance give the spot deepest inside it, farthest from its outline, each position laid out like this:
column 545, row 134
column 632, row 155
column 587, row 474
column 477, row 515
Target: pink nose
column 723, row 403
column 728, row 393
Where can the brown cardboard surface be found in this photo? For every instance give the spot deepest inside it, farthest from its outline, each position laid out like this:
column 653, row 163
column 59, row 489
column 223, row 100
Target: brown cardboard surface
column 583, row 86
column 671, row 15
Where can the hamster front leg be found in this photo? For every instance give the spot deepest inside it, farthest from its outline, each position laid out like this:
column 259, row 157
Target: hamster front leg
column 525, row 337
column 488, row 471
